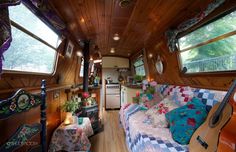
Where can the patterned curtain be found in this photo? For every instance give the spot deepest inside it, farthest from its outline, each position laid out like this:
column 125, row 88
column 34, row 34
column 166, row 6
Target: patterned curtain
column 45, row 12
column 41, row 8
column 172, row 34
column 5, row 27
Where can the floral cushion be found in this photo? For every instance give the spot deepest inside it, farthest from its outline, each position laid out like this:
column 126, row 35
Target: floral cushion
column 186, row 119
column 149, row 100
column 156, row 114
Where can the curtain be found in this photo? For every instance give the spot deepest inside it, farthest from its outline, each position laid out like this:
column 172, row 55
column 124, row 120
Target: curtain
column 5, row 27
column 172, row 33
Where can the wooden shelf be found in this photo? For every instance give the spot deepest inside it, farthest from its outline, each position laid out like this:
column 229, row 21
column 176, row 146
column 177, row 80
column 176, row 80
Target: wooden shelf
column 37, row 89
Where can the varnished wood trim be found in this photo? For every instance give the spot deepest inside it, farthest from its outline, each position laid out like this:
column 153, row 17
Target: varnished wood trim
column 37, row 89
column 30, row 34
column 21, row 73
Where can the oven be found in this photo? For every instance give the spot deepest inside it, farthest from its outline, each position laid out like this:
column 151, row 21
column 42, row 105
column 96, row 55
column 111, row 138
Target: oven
column 112, row 96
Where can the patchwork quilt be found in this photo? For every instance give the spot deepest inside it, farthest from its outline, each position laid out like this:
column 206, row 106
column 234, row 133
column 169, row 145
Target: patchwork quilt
column 141, row 136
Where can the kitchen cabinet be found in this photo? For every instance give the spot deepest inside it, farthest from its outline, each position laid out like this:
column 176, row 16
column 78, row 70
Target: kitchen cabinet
column 115, row 62
column 127, row 94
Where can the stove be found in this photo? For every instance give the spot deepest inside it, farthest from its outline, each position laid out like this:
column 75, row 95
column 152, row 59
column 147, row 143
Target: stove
column 112, row 96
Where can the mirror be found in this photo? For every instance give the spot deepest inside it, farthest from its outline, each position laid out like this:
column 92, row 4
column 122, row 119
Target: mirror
column 159, row 64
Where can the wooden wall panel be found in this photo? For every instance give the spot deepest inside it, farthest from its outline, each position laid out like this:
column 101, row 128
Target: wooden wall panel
column 172, row 74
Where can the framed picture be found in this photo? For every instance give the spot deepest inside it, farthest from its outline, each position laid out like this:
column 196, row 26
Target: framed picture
column 69, row 49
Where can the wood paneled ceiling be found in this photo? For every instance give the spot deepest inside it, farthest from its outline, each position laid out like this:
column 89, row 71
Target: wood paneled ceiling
column 139, row 25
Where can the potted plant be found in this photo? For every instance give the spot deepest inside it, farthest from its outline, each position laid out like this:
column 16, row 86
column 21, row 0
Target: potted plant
column 70, row 107
column 138, row 78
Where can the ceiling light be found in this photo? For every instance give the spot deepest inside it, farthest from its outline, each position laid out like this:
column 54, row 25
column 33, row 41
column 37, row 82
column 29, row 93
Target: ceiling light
column 79, row 53
column 112, row 50
column 150, row 55
column 116, row 37
column 97, row 61
column 82, row 20
column 91, row 59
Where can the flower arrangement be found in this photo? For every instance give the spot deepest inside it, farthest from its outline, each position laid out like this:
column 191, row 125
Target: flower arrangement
column 149, row 89
column 87, row 100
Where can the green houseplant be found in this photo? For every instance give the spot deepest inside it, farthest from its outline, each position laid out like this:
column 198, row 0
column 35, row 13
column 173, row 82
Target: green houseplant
column 138, row 78
column 70, row 107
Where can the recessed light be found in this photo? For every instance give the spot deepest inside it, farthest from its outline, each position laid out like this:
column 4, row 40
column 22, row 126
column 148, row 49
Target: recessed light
column 116, row 37
column 150, row 55
column 82, row 20
column 112, row 50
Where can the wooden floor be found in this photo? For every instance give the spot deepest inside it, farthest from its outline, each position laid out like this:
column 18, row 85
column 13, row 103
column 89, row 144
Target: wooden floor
column 112, row 139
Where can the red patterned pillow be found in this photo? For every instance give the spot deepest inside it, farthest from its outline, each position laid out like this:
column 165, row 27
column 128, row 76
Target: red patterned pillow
column 181, row 94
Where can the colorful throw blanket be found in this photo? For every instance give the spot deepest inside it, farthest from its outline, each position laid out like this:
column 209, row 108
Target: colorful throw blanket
column 142, row 137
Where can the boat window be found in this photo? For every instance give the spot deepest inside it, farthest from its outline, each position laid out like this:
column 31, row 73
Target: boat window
column 211, row 48
column 33, row 46
column 81, row 73
column 139, row 67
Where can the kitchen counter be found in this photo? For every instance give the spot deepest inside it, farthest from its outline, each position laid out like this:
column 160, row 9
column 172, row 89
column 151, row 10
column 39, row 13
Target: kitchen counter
column 132, row 86
column 128, row 92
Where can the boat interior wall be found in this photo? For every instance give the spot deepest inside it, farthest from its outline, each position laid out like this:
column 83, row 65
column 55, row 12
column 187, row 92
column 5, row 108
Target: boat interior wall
column 172, row 73
column 67, row 74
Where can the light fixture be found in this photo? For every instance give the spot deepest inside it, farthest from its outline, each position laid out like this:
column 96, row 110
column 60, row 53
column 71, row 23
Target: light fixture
column 112, row 50
column 79, row 53
column 97, row 61
column 91, row 59
column 82, row 20
column 150, row 55
column 128, row 54
column 124, row 3
column 116, row 37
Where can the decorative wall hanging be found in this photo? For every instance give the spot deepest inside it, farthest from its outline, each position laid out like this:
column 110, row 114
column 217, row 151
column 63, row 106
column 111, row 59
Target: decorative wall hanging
column 69, row 49
column 172, row 33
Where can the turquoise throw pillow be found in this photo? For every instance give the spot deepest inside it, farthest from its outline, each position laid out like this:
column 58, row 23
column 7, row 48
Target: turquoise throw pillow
column 185, row 120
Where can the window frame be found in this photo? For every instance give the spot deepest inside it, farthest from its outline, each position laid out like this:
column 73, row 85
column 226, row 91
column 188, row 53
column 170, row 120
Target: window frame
column 138, row 58
column 208, row 73
column 81, row 65
column 29, row 33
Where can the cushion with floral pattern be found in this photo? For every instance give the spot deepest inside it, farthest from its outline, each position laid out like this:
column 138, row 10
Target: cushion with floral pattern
column 149, row 100
column 156, row 114
column 185, row 120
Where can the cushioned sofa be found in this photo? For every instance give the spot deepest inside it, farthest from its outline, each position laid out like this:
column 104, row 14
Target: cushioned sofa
column 142, row 136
